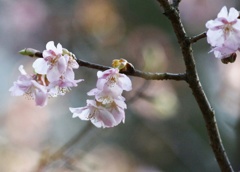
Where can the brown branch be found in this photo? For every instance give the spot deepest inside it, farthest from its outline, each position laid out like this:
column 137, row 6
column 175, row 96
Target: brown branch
column 196, row 87
column 176, row 3
column 198, row 37
column 138, row 73
column 145, row 75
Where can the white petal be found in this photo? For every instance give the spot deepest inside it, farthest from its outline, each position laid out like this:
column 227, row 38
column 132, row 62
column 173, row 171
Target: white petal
column 40, row 98
column 62, row 64
column 59, row 49
column 22, row 71
column 125, row 82
column 53, row 74
column 99, row 74
column 50, row 45
column 233, row 14
column 237, row 25
column 223, row 13
column 40, row 66
column 106, row 117
column 215, row 38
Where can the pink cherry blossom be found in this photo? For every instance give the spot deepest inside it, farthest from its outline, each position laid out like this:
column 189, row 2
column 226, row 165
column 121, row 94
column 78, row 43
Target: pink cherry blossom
column 224, row 33
column 99, row 115
column 117, row 110
column 223, row 51
column 50, row 58
column 55, row 62
column 111, row 79
column 62, row 86
column 30, row 85
column 105, row 96
column 107, row 110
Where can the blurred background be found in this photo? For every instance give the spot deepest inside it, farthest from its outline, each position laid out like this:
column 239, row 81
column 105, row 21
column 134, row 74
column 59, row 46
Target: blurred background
column 164, row 129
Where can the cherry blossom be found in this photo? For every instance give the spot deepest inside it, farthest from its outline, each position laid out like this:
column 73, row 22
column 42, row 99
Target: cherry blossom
column 62, row 86
column 111, row 79
column 224, row 33
column 99, row 115
column 107, row 110
column 31, row 85
column 55, row 62
column 50, row 59
column 105, row 96
column 53, row 76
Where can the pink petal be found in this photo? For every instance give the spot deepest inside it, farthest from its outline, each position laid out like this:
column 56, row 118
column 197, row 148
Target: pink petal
column 40, row 66
column 119, row 115
column 100, row 83
column 121, row 104
column 53, row 74
column 16, row 91
column 69, row 74
column 62, row 64
column 59, row 49
column 214, row 24
column 50, row 46
column 22, row 71
column 74, row 64
column 81, row 112
column 93, row 92
column 40, row 98
column 215, row 38
column 233, row 14
column 125, row 82
column 223, row 13
column 106, row 117
column 99, row 74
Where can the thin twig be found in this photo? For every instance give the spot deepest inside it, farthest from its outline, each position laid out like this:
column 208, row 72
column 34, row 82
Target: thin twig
column 73, row 141
column 196, row 87
column 138, row 73
column 198, row 37
column 134, row 72
column 139, row 92
column 60, row 152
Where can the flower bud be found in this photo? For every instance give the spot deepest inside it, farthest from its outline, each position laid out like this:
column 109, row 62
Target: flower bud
column 30, row 52
column 123, row 65
column 230, row 59
column 65, row 51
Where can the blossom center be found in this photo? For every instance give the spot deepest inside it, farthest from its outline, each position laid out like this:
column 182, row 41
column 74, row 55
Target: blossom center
column 227, row 28
column 112, row 80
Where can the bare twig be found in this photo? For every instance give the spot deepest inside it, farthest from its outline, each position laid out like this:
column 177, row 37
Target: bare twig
column 145, row 75
column 196, row 87
column 60, row 152
column 138, row 73
column 198, row 37
column 139, row 92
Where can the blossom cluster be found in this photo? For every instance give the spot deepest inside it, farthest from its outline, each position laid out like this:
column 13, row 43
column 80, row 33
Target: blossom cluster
column 224, row 33
column 53, row 75
column 107, row 107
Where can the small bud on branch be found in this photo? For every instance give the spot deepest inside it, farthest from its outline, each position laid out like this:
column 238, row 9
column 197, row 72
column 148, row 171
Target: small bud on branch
column 30, row 52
